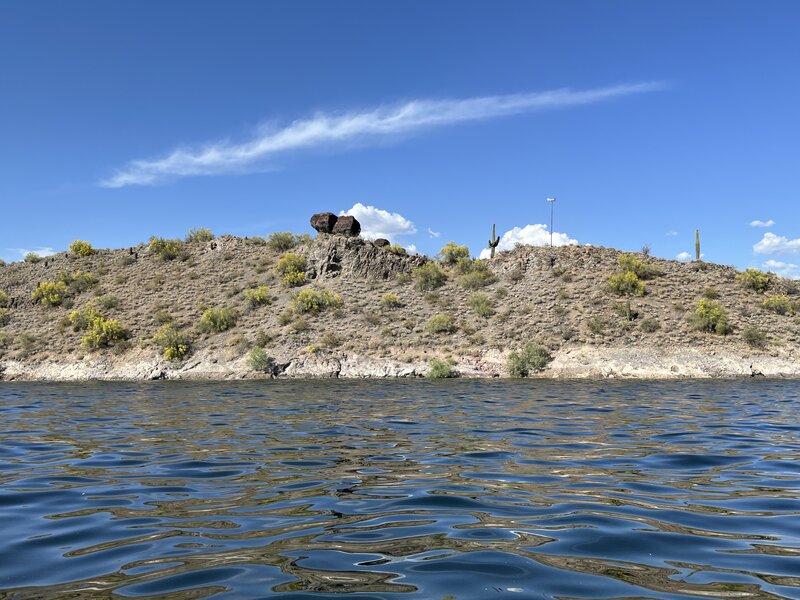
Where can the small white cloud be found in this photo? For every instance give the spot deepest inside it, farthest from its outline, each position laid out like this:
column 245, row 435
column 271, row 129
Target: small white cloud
column 411, row 249
column 530, row 235
column 434, row 234
column 758, row 223
column 784, row 269
column 776, row 244
column 683, row 257
column 41, row 251
column 379, row 223
column 671, row 233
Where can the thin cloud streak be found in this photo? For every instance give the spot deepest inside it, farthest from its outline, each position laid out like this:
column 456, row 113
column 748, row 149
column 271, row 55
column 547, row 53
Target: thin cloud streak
column 223, row 157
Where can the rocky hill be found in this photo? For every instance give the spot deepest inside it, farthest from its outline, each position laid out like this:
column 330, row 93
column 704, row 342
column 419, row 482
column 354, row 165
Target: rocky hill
column 236, row 307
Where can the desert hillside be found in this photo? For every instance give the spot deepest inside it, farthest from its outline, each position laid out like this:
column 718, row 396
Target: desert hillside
column 342, row 306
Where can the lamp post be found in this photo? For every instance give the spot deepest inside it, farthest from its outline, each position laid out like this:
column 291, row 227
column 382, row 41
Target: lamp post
column 552, row 202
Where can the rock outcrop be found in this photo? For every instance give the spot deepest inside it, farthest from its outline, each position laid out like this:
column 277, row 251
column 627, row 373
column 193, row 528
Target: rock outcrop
column 356, row 258
column 347, row 226
column 324, row 222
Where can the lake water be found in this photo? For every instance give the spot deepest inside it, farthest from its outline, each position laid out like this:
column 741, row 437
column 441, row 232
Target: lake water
column 400, row 489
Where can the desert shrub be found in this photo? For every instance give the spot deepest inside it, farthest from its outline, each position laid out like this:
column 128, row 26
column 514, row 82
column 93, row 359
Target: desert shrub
column 754, row 337
column 650, row 325
column 429, row 277
column 596, row 325
column 102, row 333
column 81, row 248
column 80, row 320
column 440, row 323
column 390, row 301
column 291, row 269
column 77, row 281
column 215, row 320
column 3, row 299
column 452, row 253
column 755, row 280
column 711, row 293
column 258, row 360
column 32, row 257
column 300, row 325
column 173, row 343
column 331, row 340
column 478, row 276
column 439, row 369
column 396, row 249
column 781, row 305
column 109, row 302
column 710, row 315
column 314, row 301
column 629, row 263
column 626, row 284
column 198, row 235
column 481, row 305
column 165, row 249
column 4, row 318
column 50, row 293
column 27, row 343
column 531, row 359
column 281, row 241
column 2, row 263
column 258, row 296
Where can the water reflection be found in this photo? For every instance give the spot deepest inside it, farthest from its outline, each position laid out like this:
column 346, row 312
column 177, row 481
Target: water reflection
column 395, row 489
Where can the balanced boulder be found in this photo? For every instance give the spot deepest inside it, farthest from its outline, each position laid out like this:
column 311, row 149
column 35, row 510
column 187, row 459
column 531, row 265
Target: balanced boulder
column 348, row 226
column 382, row 242
column 324, row 222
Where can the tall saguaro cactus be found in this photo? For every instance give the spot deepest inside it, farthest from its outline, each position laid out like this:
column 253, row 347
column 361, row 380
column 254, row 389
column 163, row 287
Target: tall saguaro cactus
column 493, row 242
column 697, row 244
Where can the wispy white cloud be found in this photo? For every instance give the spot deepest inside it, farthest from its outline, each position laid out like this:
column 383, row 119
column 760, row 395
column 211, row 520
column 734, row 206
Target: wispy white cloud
column 683, row 257
column 411, row 249
column 530, row 235
column 776, row 244
column 671, row 233
column 784, row 269
column 19, row 253
column 325, row 129
column 758, row 223
column 379, row 223
column 434, row 234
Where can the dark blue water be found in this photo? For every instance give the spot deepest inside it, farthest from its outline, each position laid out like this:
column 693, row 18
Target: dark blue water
column 462, row 489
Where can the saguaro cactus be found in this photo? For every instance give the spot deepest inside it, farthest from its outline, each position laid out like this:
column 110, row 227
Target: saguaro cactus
column 697, row 244
column 493, row 242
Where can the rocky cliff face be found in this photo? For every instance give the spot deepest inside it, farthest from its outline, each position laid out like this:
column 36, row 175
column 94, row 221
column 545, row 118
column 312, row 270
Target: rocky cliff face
column 557, row 297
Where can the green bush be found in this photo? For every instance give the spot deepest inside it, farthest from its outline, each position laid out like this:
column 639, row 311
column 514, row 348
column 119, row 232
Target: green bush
column 314, row 301
column 81, row 248
column 390, row 301
column 291, row 269
column 755, row 280
column 198, row 235
column 4, row 318
column 439, row 369
column 165, row 249
column 440, row 323
column 650, row 325
column 626, row 284
column 396, row 249
column 531, row 359
column 258, row 296
column 711, row 293
column 596, row 325
column 77, row 281
column 3, row 299
column 629, row 263
column 478, row 276
column 216, row 320
column 32, row 257
column 281, row 241
column 173, row 344
column 50, row 293
column 429, row 276
column 452, row 253
column 82, row 319
column 258, row 360
column 710, row 316
column 102, row 333
column 481, row 305
column 754, row 337
column 781, row 305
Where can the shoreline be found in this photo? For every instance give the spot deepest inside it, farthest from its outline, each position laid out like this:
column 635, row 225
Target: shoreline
column 573, row 362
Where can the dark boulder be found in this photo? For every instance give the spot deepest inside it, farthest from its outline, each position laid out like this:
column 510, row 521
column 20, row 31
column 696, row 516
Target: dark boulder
column 324, row 222
column 382, row 242
column 347, row 226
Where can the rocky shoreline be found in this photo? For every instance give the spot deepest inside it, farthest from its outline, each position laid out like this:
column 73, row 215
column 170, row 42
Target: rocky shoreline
column 576, row 362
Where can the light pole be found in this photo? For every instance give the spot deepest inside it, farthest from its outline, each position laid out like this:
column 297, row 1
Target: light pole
column 552, row 202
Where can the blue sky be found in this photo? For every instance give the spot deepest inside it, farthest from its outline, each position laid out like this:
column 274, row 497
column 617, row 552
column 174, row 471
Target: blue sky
column 119, row 121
